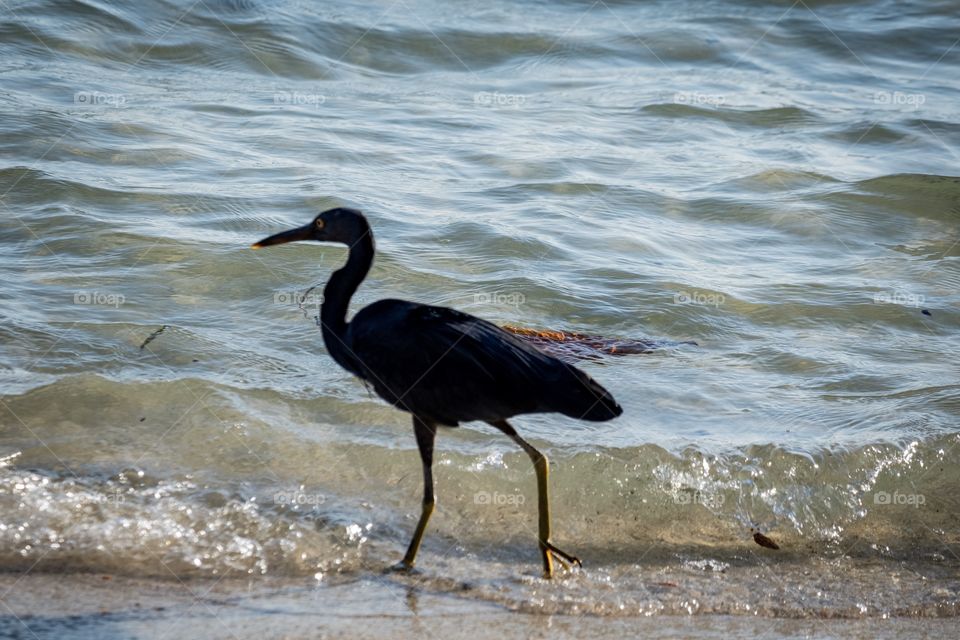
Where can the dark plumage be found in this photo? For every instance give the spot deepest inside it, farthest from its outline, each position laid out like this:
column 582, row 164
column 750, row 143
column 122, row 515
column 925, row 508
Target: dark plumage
column 458, row 368
column 442, row 365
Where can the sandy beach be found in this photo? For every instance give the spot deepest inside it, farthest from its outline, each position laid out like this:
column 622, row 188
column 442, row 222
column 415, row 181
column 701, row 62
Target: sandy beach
column 386, row 604
column 95, row 607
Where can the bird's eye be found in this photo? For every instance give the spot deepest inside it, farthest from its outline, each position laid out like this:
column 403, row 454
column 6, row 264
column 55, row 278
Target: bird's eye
column 319, row 223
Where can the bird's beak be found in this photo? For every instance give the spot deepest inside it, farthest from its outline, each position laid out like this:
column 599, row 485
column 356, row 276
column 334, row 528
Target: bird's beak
column 300, row 233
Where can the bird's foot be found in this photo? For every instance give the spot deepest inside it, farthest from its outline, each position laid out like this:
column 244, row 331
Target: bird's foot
column 550, row 552
column 401, row 567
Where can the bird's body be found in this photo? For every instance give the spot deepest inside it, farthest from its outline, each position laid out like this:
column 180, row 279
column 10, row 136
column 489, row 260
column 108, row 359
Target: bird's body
column 441, row 365
column 460, row 368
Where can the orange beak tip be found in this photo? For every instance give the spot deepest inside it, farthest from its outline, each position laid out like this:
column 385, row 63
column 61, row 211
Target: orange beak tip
column 256, row 246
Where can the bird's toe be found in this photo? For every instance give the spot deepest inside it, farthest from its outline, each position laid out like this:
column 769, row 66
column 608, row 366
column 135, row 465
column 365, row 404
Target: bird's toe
column 401, row 567
column 564, row 558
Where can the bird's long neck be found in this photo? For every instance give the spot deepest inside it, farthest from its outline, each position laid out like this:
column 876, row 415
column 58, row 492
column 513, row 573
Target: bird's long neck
column 341, row 287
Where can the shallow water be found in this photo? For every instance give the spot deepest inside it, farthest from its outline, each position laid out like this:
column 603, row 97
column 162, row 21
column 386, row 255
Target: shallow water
column 774, row 182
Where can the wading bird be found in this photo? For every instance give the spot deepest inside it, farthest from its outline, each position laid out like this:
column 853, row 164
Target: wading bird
column 444, row 367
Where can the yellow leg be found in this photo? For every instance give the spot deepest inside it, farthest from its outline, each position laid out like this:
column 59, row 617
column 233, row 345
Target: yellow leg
column 425, row 432
column 542, row 468
column 411, row 556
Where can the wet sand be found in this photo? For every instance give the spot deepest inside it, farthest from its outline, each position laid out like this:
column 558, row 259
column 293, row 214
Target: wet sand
column 106, row 607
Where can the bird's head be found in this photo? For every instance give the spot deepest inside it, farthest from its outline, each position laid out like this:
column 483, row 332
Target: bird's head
column 342, row 225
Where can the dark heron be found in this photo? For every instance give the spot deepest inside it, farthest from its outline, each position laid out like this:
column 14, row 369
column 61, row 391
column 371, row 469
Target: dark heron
column 444, row 367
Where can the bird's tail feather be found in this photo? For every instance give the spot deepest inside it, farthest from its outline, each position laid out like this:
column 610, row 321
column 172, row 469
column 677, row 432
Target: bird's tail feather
column 588, row 400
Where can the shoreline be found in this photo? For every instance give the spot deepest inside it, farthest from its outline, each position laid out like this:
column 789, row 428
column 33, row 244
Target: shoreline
column 49, row 605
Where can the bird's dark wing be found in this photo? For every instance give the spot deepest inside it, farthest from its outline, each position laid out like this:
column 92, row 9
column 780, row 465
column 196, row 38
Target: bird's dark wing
column 449, row 366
